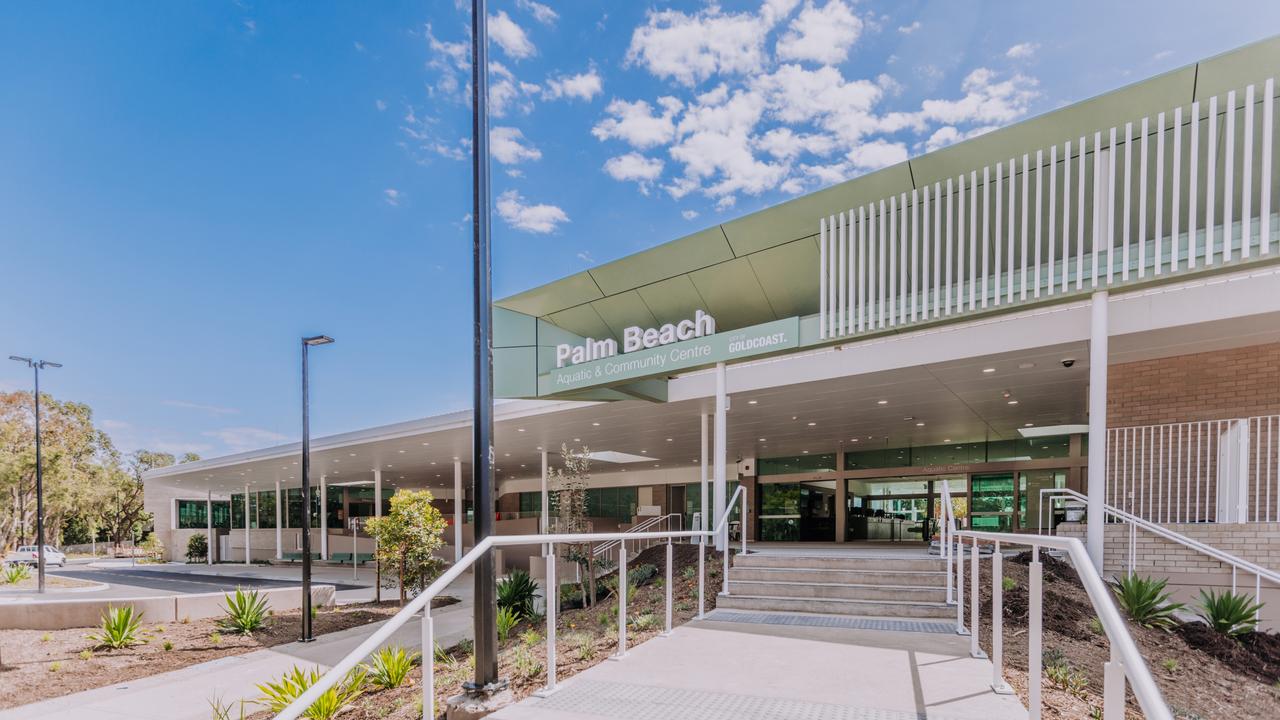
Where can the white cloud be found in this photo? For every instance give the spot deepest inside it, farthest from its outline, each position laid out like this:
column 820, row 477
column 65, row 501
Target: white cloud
column 1022, row 51
column 243, row 439
column 380, row 105
column 507, row 92
column 510, row 37
column 211, row 409
column 637, row 124
column 1162, row 55
column 691, row 48
column 586, row 257
column 821, row 35
column 634, row 167
column 251, row 26
column 540, row 12
column 359, row 46
column 985, row 100
column 688, row 214
column 392, row 196
column 514, row 172
column 583, row 86
column 908, row 29
column 950, row 134
column 877, row 154
column 507, row 147
column 540, row 219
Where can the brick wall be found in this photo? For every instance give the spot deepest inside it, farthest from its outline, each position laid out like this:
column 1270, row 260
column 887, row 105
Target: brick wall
column 1189, row 571
column 1234, row 383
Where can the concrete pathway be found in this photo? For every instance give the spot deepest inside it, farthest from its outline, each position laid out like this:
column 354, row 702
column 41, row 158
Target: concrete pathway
column 735, row 671
column 185, row 694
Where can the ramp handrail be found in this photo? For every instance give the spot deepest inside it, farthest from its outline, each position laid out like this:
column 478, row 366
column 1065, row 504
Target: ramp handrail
column 1134, row 521
column 1126, row 660
column 644, row 526
column 422, row 603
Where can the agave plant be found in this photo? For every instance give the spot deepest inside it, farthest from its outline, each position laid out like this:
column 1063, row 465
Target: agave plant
column 517, row 592
column 1146, row 601
column 1228, row 612
column 245, row 612
column 507, row 620
column 337, row 699
column 16, row 573
column 389, row 666
column 121, row 628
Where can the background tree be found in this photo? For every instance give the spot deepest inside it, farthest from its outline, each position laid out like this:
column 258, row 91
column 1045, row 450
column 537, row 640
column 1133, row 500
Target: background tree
column 407, row 538
column 569, row 514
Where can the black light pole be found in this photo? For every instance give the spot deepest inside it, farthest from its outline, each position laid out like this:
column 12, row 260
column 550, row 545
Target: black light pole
column 37, row 366
column 486, row 610
column 307, row 342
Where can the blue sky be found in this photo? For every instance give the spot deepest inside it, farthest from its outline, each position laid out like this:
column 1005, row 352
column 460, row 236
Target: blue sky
column 187, row 188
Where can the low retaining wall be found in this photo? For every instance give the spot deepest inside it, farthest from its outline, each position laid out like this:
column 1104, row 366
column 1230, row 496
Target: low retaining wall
column 70, row 613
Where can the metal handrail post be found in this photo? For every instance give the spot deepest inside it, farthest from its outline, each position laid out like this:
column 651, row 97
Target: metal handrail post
column 702, row 577
column 1035, row 629
column 622, row 602
column 975, row 624
column 553, row 606
column 959, row 551
column 997, row 624
column 667, row 586
column 428, row 665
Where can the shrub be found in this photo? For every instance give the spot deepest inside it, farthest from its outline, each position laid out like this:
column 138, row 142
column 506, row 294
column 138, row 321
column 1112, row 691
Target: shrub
column 530, row 637
column 167, row 646
column 337, row 699
column 1169, row 664
column 55, row 666
column 16, row 573
column 215, row 638
column 1095, row 625
column 121, row 628
column 516, row 592
column 86, row 654
column 1146, row 601
column 1066, row 678
column 245, row 612
column 1229, row 613
column 584, row 646
column 1008, row 583
column 153, row 548
column 526, row 664
column 689, row 573
column 46, row 638
column 507, row 620
column 644, row 621
column 390, row 666
column 197, row 549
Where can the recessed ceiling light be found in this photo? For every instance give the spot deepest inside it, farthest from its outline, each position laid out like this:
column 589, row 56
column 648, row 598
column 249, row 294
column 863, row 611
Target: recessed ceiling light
column 806, row 452
column 909, row 418
column 919, row 424
column 538, row 448
column 988, row 370
column 946, row 439
column 519, row 429
column 882, row 402
column 670, row 439
column 761, row 440
column 1026, row 365
column 752, row 402
column 433, row 462
column 1013, row 402
column 401, row 451
column 390, row 466
column 595, row 424
column 812, row 424
column 577, row 439
column 1027, row 424
column 352, row 454
column 853, row 439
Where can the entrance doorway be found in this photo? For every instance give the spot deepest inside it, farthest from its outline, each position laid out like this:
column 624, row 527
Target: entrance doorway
column 992, row 502
column 798, row 512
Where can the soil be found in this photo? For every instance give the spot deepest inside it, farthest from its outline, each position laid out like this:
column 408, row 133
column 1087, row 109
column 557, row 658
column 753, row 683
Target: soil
column 41, row 664
column 50, row 581
column 584, row 637
column 1201, row 674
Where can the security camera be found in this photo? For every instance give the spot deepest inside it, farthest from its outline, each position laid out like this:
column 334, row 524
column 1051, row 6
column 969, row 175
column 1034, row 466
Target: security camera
column 1068, row 362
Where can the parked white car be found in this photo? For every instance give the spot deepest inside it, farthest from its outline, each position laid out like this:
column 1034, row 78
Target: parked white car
column 28, row 554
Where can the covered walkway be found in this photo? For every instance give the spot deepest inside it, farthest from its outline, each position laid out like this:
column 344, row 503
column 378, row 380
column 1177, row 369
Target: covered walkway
column 758, row 666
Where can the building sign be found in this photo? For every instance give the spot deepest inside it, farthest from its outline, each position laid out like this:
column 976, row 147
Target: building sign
column 655, row 357
column 636, row 338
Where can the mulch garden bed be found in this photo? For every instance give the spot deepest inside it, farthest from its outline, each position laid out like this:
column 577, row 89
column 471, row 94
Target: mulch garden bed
column 1202, row 674
column 41, row 664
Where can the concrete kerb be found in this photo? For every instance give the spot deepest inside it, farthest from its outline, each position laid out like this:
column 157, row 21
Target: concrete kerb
column 60, row 614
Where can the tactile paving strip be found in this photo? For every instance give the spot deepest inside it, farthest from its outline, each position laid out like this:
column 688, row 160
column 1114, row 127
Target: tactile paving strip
column 645, row 702
column 827, row 621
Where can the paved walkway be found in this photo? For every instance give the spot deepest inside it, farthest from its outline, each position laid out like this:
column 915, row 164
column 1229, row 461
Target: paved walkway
column 716, row 670
column 185, row 694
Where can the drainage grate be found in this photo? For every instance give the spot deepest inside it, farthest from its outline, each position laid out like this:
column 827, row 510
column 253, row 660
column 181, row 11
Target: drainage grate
column 827, row 621
column 646, row 702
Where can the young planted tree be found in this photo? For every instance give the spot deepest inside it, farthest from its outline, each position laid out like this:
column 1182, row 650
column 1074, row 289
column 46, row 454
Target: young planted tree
column 407, row 538
column 569, row 513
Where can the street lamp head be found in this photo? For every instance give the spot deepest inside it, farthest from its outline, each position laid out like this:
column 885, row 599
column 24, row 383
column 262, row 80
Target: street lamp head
column 21, row 359
column 45, row 363
column 317, row 340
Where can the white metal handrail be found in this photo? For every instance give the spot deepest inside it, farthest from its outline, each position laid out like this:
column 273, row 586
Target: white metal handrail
column 1133, row 521
column 422, row 603
column 608, row 550
column 1126, row 660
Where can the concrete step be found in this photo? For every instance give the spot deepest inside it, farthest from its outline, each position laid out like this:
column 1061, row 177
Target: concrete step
column 838, row 562
column 838, row 591
column 922, row 578
column 871, row 608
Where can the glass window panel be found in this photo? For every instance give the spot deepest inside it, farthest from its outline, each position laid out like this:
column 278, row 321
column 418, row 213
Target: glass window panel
column 267, row 509
column 797, row 464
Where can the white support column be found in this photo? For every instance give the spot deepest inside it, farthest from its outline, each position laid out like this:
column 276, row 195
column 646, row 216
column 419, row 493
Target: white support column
column 377, row 512
column 546, row 510
column 324, row 517
column 459, row 510
column 208, row 518
column 1097, row 485
column 246, row 523
column 721, row 485
column 702, row 478
column 279, row 530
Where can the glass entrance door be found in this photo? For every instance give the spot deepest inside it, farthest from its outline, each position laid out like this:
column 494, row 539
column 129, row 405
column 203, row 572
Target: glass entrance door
column 993, row 502
column 791, row 512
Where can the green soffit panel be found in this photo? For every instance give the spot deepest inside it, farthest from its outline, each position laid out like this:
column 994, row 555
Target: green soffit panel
column 622, row 311
column 672, row 300
column 677, row 257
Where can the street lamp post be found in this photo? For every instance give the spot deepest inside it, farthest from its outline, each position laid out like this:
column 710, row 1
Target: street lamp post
column 307, row 343
column 37, row 366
